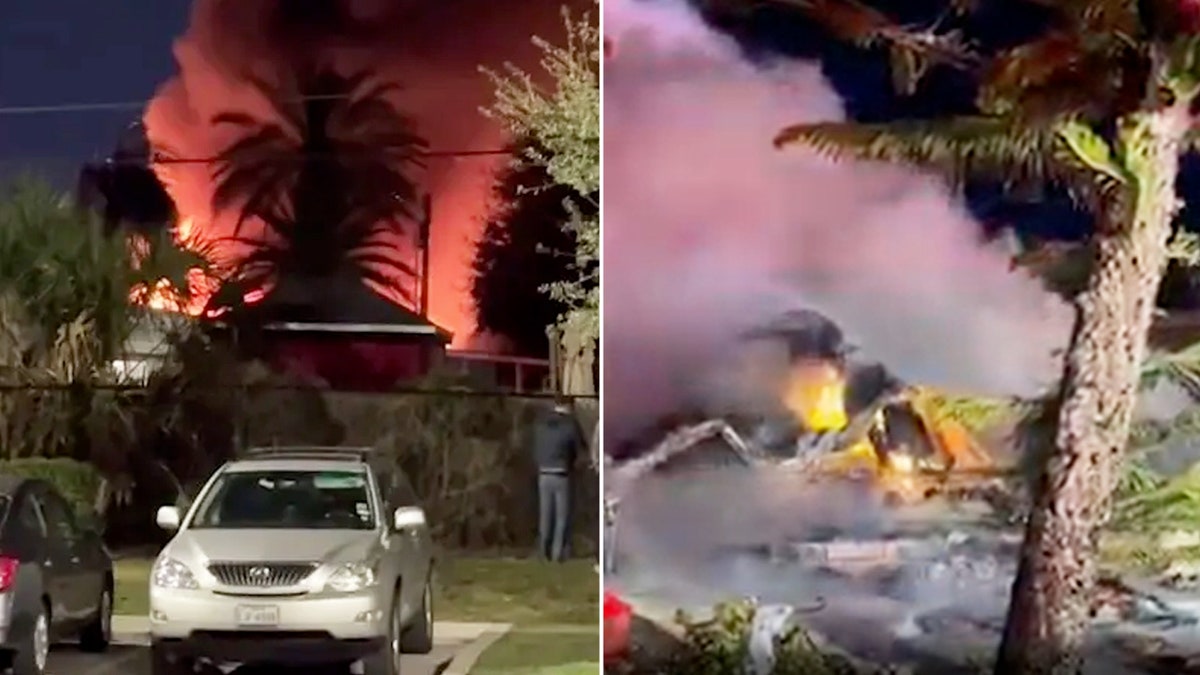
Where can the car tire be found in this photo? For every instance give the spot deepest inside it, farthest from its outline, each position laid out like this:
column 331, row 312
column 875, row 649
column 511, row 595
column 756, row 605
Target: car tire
column 34, row 649
column 387, row 660
column 417, row 637
column 163, row 662
column 97, row 634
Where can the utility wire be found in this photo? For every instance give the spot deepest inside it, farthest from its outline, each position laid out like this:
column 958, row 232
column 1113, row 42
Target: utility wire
column 423, row 154
column 70, row 107
column 136, row 105
column 128, row 159
column 158, row 158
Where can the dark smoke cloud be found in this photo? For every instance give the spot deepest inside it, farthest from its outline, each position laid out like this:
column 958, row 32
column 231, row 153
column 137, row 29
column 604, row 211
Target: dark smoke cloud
column 433, row 49
column 708, row 231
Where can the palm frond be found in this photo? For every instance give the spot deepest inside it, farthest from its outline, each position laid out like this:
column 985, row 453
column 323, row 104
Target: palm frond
column 266, row 142
column 1065, row 73
column 1018, row 152
column 915, row 50
column 957, row 148
column 284, row 95
column 1180, row 368
column 330, row 209
column 383, row 261
column 386, row 281
column 867, row 26
column 260, row 185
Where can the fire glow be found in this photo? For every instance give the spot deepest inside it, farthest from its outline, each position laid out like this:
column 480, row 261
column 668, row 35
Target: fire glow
column 163, row 295
column 229, row 42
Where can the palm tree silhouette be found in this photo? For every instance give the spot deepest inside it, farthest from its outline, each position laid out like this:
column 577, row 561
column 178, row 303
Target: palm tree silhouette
column 329, row 177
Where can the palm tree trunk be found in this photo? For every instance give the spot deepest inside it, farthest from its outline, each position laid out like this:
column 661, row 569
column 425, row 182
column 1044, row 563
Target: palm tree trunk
column 1050, row 614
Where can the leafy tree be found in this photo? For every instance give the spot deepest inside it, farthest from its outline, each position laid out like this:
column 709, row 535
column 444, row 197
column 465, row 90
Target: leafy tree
column 563, row 125
column 60, row 267
column 1098, row 103
column 329, row 177
column 124, row 189
column 524, row 248
column 66, row 283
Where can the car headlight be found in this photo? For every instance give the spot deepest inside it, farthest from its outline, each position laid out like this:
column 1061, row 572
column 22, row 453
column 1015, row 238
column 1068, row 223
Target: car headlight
column 170, row 573
column 351, row 577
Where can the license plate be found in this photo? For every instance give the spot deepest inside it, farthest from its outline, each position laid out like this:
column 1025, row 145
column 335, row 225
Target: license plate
column 257, row 615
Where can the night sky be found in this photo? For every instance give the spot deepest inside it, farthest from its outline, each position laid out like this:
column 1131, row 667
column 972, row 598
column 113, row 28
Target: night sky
column 78, row 51
column 862, row 78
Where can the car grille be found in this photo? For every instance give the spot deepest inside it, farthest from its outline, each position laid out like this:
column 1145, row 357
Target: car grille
column 261, row 574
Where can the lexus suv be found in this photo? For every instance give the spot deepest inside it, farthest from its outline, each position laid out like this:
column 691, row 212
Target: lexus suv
column 301, row 556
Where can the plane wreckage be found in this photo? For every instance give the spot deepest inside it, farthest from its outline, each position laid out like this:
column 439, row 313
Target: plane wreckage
column 839, row 419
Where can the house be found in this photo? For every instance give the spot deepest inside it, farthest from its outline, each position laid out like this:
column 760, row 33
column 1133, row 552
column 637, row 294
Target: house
column 342, row 334
column 148, row 346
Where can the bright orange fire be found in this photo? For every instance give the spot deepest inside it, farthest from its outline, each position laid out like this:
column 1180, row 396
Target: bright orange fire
column 815, row 393
column 441, row 87
column 163, row 295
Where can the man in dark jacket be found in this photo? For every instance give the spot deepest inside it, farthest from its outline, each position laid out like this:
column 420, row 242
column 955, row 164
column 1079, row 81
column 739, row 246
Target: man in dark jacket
column 557, row 445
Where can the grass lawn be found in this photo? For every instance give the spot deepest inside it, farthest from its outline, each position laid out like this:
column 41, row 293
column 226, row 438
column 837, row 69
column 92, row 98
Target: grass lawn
column 492, row 589
column 132, row 588
column 541, row 653
column 517, row 590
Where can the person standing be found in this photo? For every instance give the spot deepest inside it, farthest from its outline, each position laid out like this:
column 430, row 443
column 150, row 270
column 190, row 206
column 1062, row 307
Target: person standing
column 558, row 444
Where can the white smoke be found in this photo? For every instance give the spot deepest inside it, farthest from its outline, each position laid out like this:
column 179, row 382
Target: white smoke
column 709, row 230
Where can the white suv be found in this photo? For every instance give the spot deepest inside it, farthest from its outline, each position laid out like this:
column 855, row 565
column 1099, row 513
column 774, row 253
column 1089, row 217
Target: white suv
column 295, row 556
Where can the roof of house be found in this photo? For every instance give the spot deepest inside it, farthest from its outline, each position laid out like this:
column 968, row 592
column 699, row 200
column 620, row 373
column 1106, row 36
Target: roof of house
column 343, row 305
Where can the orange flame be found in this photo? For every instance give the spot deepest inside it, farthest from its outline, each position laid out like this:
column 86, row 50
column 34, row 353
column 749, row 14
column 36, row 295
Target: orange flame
column 201, row 285
column 442, row 89
column 815, row 393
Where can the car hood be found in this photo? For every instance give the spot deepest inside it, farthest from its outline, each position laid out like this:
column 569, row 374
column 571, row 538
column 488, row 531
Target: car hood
column 239, row 545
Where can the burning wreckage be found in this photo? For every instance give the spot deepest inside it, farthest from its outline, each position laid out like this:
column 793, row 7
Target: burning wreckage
column 840, row 420
column 931, row 582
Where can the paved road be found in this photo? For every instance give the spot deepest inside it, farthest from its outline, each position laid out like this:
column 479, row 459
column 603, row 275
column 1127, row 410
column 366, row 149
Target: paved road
column 135, row 660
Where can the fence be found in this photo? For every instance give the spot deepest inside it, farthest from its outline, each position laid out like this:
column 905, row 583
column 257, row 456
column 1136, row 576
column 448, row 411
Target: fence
column 511, row 373
column 466, row 451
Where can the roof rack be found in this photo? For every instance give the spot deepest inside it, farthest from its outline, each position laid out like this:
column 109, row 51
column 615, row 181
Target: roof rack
column 361, row 454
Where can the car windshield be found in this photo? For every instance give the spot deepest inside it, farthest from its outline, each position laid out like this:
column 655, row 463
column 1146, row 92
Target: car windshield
column 287, row 500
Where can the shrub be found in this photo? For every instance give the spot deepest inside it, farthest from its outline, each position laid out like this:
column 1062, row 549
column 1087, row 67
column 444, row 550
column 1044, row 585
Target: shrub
column 719, row 646
column 467, row 455
column 78, row 482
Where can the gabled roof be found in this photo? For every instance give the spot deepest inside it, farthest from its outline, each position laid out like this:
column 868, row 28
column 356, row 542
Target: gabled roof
column 341, row 305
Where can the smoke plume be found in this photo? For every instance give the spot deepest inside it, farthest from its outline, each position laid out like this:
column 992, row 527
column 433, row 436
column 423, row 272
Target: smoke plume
column 433, row 50
column 708, row 231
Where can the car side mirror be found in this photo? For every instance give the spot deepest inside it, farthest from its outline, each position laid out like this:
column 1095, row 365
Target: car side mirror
column 167, row 518
column 408, row 517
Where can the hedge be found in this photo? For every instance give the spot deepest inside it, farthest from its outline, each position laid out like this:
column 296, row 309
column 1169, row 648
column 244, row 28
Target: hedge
column 78, row 482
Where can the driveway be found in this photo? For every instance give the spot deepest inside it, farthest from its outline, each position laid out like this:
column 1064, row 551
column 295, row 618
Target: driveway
column 131, row 656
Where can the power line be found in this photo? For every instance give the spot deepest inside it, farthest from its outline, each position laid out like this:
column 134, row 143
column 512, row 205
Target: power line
column 142, row 104
column 71, row 107
column 423, row 154
column 119, row 160
column 129, row 105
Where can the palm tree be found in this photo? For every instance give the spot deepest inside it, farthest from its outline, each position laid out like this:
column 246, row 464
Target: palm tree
column 1100, row 103
column 329, row 178
column 66, row 285
column 64, row 267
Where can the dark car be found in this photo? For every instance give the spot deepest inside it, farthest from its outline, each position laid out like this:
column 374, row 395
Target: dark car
column 56, row 578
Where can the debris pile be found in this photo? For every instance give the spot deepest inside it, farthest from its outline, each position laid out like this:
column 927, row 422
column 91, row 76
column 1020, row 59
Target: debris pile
column 925, row 582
